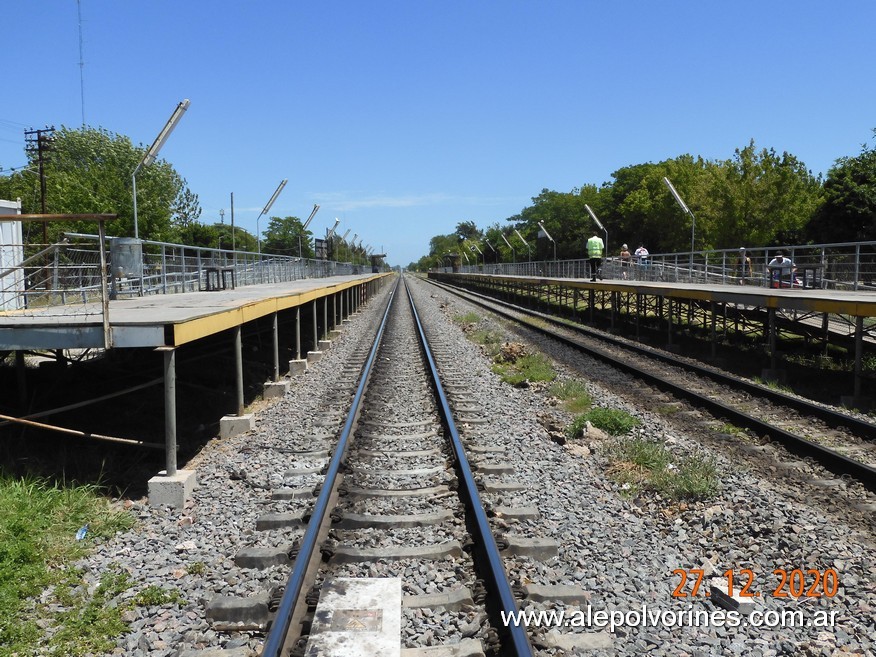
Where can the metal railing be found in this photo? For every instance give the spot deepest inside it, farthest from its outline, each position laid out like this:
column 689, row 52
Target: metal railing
column 840, row 266
column 65, row 278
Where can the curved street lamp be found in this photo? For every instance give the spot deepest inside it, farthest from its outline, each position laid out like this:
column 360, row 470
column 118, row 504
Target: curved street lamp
column 548, row 235
column 267, row 209
column 152, row 153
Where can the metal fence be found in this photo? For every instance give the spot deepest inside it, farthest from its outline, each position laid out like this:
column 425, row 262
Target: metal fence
column 65, row 278
column 841, row 266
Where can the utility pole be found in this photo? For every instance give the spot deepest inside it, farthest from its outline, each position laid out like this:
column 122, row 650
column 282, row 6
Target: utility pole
column 40, row 142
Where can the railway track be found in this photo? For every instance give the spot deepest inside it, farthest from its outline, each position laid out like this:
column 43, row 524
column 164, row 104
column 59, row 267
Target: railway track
column 839, row 442
column 398, row 521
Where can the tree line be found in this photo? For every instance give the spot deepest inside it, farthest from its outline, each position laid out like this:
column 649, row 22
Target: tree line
column 88, row 171
column 755, row 198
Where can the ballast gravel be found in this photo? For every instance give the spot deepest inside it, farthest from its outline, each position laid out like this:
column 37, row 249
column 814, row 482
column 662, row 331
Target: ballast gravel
column 621, row 552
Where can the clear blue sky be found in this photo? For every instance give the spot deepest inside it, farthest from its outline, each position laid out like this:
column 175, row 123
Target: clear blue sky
column 404, row 118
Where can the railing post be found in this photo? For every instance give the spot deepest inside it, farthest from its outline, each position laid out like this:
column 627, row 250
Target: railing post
column 104, row 291
column 857, row 265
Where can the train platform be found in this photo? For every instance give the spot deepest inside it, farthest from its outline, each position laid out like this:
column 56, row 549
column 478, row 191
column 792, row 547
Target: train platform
column 165, row 320
column 823, row 317
column 856, row 304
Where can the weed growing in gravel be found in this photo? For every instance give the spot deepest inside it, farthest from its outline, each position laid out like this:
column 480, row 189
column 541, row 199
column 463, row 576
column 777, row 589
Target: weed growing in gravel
column 574, row 395
column 639, row 464
column 196, row 568
column 467, row 318
column 38, row 525
column 611, row 420
column 155, row 596
column 490, row 340
column 773, row 385
column 89, row 623
column 731, row 429
column 530, row 367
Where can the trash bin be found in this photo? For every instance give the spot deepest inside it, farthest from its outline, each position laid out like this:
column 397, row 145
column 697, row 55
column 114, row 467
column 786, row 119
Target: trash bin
column 126, row 257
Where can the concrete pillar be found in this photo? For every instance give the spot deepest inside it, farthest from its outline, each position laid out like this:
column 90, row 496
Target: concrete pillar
column 276, row 335
column 238, row 368
column 169, row 354
column 298, row 333
column 315, row 326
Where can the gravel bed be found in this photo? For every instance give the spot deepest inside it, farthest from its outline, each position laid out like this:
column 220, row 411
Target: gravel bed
column 620, row 551
column 190, row 551
column 623, row 552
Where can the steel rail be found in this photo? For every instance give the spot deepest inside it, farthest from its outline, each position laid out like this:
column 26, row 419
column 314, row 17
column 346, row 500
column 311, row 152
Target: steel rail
column 485, row 542
column 276, row 637
column 863, row 428
column 830, row 459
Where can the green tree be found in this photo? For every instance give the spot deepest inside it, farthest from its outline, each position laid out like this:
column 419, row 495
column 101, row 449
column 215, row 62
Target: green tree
column 757, row 198
column 467, row 230
column 89, row 171
column 282, row 237
column 849, row 210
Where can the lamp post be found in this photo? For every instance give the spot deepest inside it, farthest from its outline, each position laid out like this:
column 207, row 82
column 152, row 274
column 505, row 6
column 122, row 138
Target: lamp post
column 513, row 252
column 548, row 235
column 686, row 210
column 477, row 248
column 266, row 209
column 598, row 223
column 152, row 153
column 344, row 236
column 329, row 234
column 304, row 227
column 528, row 249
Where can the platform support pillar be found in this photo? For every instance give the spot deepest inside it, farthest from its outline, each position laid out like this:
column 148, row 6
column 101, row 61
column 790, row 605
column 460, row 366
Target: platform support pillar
column 859, row 352
column 825, row 328
column 238, row 368
column 771, row 330
column 713, row 331
column 276, row 335
column 315, row 326
column 591, row 300
column 298, row 333
column 169, row 354
column 669, row 321
column 638, row 314
column 334, row 310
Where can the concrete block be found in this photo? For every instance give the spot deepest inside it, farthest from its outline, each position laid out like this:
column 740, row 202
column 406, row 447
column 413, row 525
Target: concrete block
column 334, row 334
column 171, row 491
column 357, row 617
column 324, row 345
column 719, row 589
column 313, row 357
column 250, row 612
column 274, row 389
column 297, row 367
column 233, row 425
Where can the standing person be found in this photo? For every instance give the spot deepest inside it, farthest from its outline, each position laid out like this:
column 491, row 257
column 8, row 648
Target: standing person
column 779, row 268
column 625, row 258
column 595, row 251
column 641, row 259
column 743, row 266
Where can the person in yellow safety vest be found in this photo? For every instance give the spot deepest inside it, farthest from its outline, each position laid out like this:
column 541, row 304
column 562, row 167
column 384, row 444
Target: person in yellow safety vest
column 595, row 250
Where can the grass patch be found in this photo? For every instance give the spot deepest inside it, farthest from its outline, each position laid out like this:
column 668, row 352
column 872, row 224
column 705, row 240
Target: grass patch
column 89, row 622
column 639, row 464
column 573, row 394
column 610, row 420
column 730, row 429
column 155, row 596
column 38, row 524
column 529, row 367
column 467, row 318
column 773, row 385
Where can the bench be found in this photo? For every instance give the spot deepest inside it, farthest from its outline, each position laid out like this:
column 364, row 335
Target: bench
column 807, row 277
column 216, row 278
